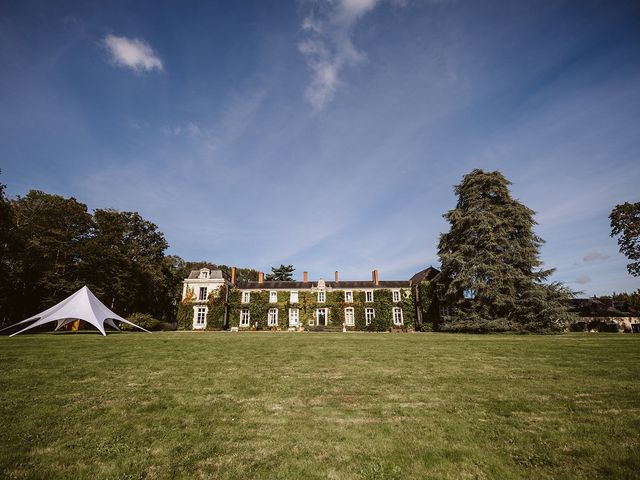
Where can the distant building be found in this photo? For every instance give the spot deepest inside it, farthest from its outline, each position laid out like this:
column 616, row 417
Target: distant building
column 604, row 315
column 291, row 305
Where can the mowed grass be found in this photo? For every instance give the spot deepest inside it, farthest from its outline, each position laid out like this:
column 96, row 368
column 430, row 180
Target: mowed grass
column 337, row 406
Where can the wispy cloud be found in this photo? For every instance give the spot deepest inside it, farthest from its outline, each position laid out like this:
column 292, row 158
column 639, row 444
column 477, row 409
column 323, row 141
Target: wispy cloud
column 583, row 280
column 132, row 53
column 594, row 256
column 328, row 48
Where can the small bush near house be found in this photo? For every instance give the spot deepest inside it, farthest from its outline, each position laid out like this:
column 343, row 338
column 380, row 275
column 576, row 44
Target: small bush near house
column 146, row 321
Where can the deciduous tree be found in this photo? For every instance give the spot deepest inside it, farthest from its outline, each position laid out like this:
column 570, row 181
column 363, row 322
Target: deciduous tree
column 625, row 222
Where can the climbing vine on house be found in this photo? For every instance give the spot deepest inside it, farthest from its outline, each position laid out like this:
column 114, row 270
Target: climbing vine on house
column 307, row 305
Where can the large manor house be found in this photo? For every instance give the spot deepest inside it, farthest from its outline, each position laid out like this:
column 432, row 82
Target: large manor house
column 210, row 300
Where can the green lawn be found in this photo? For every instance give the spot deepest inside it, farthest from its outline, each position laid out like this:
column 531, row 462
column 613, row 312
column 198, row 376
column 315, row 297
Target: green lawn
column 286, row 405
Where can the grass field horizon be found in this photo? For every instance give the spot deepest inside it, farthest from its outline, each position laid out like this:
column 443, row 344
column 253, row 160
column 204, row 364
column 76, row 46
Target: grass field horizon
column 319, row 405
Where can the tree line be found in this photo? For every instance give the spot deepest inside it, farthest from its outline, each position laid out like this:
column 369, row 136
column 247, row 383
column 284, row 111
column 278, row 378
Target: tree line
column 491, row 279
column 50, row 246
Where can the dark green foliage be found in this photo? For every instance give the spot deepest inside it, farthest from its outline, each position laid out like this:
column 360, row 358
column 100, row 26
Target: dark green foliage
column 217, row 302
column 632, row 300
column 283, row 273
column 50, row 246
column 8, row 245
column 48, row 262
column 491, row 278
column 184, row 317
column 424, row 293
column 124, row 264
column 146, row 321
column 625, row 221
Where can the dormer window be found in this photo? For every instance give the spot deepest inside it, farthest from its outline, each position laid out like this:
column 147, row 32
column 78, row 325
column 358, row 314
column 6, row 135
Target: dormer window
column 204, row 273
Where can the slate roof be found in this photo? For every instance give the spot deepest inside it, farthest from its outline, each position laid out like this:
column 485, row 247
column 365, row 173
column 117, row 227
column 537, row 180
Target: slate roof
column 215, row 274
column 426, row 274
column 341, row 285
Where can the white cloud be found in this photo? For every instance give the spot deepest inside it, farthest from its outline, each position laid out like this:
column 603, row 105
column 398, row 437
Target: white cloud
column 132, row 53
column 328, row 48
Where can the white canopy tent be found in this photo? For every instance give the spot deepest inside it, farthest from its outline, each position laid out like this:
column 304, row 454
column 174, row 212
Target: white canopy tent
column 82, row 305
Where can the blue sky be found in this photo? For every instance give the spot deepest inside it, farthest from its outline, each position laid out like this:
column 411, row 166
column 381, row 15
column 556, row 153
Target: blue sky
column 329, row 134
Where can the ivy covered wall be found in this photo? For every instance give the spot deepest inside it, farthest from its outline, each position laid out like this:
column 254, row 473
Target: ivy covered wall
column 307, row 304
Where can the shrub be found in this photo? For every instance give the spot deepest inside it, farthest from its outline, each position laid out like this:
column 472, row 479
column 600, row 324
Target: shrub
column 145, row 321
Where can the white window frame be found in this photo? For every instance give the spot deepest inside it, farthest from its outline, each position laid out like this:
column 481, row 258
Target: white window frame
column 200, row 291
column 395, row 320
column 273, row 296
column 396, row 296
column 293, row 296
column 246, row 296
column 245, row 317
column 199, row 322
column 349, row 322
column 294, row 317
column 272, row 318
column 369, row 315
column 322, row 297
column 348, row 296
column 368, row 296
column 326, row 315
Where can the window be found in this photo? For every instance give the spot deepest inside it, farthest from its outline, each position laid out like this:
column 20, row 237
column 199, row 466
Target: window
column 201, row 315
column 272, row 320
column 397, row 316
column 294, row 316
column 444, row 311
column 349, row 317
column 293, row 298
column 348, row 296
column 244, row 317
column 203, row 293
column 204, row 273
column 368, row 296
column 321, row 297
column 369, row 314
column 273, row 297
column 396, row 295
column 246, row 297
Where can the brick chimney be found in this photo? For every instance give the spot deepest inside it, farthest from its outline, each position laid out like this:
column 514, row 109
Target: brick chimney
column 337, row 277
column 233, row 275
column 260, row 277
column 374, row 277
column 305, row 277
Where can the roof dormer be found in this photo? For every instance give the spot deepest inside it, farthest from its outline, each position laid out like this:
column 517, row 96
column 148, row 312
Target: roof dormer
column 204, row 273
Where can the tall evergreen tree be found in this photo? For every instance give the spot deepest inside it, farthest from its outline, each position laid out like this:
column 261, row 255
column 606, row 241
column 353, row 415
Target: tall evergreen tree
column 491, row 278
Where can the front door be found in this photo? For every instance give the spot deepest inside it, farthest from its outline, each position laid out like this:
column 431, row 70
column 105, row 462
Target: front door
column 321, row 313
